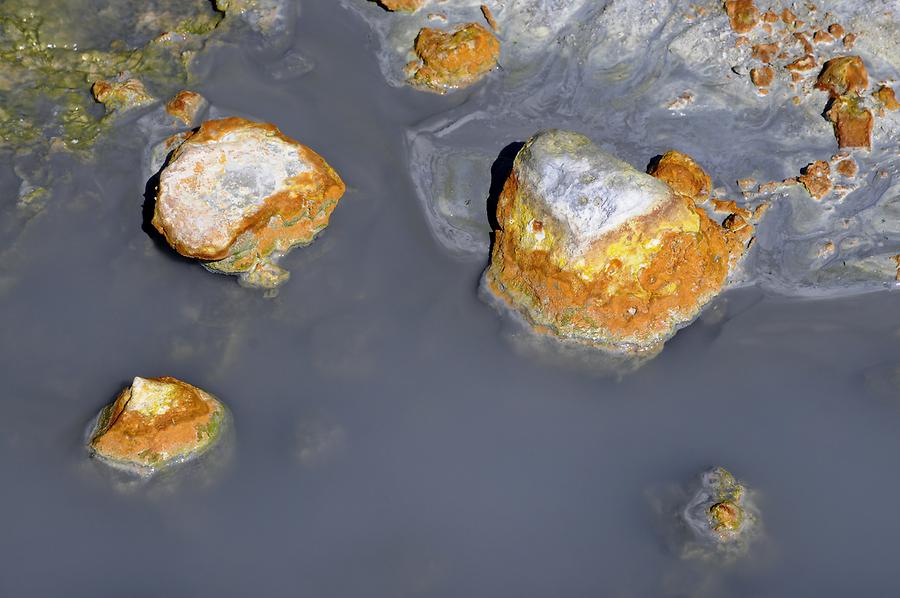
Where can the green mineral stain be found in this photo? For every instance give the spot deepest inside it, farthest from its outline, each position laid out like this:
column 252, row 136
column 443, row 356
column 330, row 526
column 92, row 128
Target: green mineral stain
column 50, row 56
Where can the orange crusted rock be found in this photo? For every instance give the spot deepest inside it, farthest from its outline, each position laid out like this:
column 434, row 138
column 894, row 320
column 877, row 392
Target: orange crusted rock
column 240, row 194
column 886, row 96
column 787, row 17
column 155, row 423
column 489, row 17
column 454, row 59
column 822, row 37
column 401, row 5
column 590, row 249
column 847, row 167
column 122, row 94
column 806, row 63
column 852, row 122
column 843, row 75
column 836, row 30
column 807, row 47
column 739, row 230
column 186, row 106
column 816, row 177
column 681, row 173
column 730, row 207
column 765, row 52
column 762, row 77
column 742, row 14
column 849, row 40
column 769, row 17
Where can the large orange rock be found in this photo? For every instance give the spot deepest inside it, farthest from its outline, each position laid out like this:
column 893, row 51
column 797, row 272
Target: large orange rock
column 843, row 75
column 593, row 250
column 852, row 122
column 449, row 60
column 155, row 423
column 239, row 194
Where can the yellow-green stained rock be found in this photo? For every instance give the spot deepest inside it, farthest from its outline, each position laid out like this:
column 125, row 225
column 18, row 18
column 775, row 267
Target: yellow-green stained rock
column 721, row 517
column 156, row 423
column 590, row 249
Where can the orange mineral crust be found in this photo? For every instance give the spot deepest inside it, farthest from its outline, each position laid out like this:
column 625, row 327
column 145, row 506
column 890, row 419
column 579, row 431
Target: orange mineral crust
column 886, row 96
column 449, row 60
column 239, row 193
column 683, row 175
column 401, row 5
column 186, row 106
column 843, row 75
column 816, row 178
column 852, row 122
column 742, row 14
column 156, row 422
column 592, row 250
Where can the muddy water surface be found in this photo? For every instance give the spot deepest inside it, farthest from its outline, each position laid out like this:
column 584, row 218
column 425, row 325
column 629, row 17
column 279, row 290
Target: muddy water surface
column 391, row 437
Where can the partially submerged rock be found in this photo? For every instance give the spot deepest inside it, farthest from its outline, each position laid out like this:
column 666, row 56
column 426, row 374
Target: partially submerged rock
column 401, row 5
column 721, row 517
column 816, row 178
column 742, row 14
column 593, row 250
column 239, row 194
column 843, row 75
column 156, row 423
column 121, row 94
column 852, row 122
column 682, row 174
column 454, row 59
column 186, row 106
column 885, row 95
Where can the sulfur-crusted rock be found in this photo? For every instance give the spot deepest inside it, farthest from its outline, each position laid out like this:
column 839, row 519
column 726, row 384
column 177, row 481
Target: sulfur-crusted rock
column 742, row 14
column 590, row 249
column 721, row 516
column 816, row 178
column 239, row 194
column 885, row 95
column 843, row 75
column 449, row 60
column 122, row 94
column 401, row 5
column 682, row 174
column 156, row 423
column 852, row 122
column 186, row 106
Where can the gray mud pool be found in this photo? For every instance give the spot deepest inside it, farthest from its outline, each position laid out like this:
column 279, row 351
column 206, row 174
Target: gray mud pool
column 394, row 432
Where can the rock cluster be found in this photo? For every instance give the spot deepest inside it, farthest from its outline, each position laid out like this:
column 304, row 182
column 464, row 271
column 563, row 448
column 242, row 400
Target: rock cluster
column 720, row 516
column 448, row 60
column 590, row 249
column 156, row 423
column 239, row 194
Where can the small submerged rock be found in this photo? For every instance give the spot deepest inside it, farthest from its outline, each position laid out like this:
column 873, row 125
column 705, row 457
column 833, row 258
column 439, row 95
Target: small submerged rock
column 401, row 5
column 121, row 94
column 156, row 423
column 721, row 517
column 186, row 106
column 449, row 60
column 590, row 249
column 239, row 194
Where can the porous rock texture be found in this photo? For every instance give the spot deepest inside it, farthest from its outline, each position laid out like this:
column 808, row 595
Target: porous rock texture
column 590, row 249
column 454, row 59
column 239, row 194
column 721, row 516
column 156, row 423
